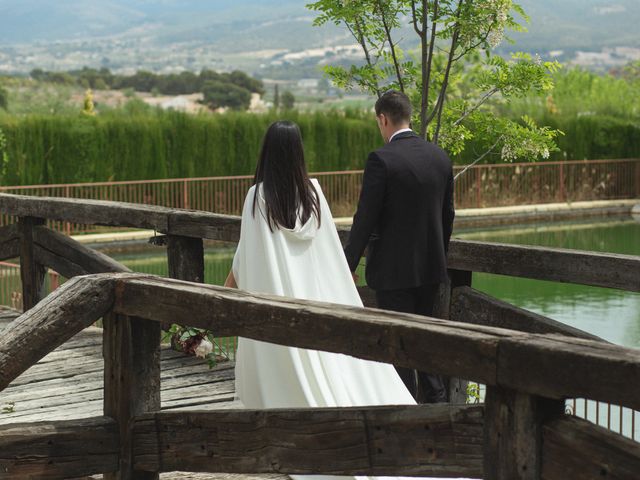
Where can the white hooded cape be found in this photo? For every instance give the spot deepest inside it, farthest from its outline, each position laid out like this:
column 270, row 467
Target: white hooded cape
column 306, row 262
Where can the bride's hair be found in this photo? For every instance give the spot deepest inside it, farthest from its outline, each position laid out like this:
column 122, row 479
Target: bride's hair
column 282, row 175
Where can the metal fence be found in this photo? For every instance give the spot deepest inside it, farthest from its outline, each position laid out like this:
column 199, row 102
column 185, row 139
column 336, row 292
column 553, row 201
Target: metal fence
column 481, row 186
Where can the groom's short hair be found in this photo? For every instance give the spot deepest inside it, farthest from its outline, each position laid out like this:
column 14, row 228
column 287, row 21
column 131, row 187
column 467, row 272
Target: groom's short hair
column 395, row 105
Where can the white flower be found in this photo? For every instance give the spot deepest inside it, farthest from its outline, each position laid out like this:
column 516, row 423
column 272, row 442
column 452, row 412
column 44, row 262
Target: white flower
column 204, row 349
column 545, row 153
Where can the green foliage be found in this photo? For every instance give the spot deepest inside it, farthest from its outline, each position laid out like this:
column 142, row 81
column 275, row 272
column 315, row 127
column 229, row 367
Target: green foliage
column 220, row 94
column 144, row 81
column 139, row 143
column 288, row 100
column 4, row 98
column 452, row 75
column 473, row 393
column 4, row 155
column 88, row 107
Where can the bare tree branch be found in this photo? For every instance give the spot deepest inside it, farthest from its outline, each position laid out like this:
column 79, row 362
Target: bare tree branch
column 392, row 46
column 484, row 98
column 419, row 31
column 359, row 36
column 445, row 82
column 426, row 79
column 480, row 157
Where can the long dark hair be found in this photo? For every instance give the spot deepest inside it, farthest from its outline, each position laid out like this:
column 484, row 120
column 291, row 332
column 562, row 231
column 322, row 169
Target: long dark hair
column 282, row 175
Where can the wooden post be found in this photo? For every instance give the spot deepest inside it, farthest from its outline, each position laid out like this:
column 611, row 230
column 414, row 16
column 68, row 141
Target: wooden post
column 513, row 433
column 131, row 381
column 456, row 387
column 31, row 272
column 186, row 258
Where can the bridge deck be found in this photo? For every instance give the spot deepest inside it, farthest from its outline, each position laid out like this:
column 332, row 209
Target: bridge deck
column 67, row 384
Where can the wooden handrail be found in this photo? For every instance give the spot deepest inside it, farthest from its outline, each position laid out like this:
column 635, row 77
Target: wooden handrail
column 562, row 265
column 436, row 440
column 62, row 449
column 71, row 308
column 553, row 366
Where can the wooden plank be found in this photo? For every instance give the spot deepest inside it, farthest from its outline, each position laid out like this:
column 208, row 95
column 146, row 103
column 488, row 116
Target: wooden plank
column 31, row 271
column 472, row 306
column 392, row 440
column 9, row 242
column 131, row 381
column 86, row 211
column 513, row 433
column 550, row 366
column 571, row 266
column 556, row 366
column 66, row 449
column 69, row 257
column 456, row 387
column 397, row 338
column 186, row 258
column 576, row 448
column 198, row 224
column 555, row 264
column 75, row 305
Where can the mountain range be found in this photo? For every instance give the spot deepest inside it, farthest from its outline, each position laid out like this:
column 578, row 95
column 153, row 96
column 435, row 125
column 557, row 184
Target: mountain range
column 241, row 31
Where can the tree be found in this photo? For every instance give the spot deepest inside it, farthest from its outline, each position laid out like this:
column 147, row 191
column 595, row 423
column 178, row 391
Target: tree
column 221, row 94
column 4, row 98
column 276, row 97
column 88, row 106
column 453, row 75
column 288, row 100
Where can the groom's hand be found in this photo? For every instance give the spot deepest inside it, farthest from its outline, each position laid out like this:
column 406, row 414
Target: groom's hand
column 356, row 277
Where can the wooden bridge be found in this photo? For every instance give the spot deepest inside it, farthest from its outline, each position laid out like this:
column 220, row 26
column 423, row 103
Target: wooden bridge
column 529, row 364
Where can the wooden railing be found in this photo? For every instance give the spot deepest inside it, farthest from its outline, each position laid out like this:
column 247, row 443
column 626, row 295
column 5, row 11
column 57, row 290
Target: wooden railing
column 529, row 364
column 489, row 185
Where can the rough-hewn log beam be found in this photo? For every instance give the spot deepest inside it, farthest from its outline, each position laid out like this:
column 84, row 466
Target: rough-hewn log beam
column 401, row 339
column 9, row 242
column 438, row 440
column 69, row 257
column 550, row 366
column 74, row 306
column 562, row 265
column 32, row 272
column 576, row 448
column 64, row 449
column 471, row 306
column 131, row 381
column 555, row 264
column 513, row 433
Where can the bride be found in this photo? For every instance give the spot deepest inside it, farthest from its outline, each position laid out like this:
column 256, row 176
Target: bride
column 289, row 246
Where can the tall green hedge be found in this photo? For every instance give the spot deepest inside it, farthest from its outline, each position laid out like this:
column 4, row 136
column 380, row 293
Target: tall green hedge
column 586, row 137
column 69, row 149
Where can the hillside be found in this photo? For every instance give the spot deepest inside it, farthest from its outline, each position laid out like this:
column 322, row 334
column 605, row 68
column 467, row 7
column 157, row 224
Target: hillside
column 172, row 35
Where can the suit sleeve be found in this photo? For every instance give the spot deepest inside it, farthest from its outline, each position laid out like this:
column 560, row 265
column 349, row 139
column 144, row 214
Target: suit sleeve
column 374, row 184
column 448, row 213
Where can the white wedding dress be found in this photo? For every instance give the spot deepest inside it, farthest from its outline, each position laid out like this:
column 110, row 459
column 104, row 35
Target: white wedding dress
column 306, row 263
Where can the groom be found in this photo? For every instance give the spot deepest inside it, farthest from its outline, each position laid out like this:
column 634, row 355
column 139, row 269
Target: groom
column 405, row 216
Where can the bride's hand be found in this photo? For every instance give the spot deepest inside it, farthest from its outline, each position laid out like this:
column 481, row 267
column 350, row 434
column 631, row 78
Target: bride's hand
column 230, row 282
column 356, row 277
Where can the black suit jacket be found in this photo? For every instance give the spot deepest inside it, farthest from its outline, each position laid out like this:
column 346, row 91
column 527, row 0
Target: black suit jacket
column 405, row 215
